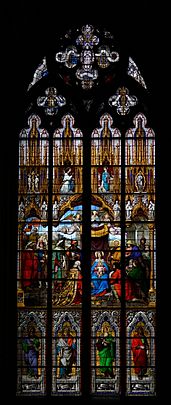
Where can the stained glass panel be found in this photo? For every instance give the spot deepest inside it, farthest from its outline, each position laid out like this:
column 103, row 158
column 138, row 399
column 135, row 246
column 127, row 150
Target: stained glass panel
column 105, row 352
column 105, row 249
column 134, row 72
column 66, row 349
column 51, row 273
column 39, row 73
column 67, row 257
column 31, row 352
column 140, row 212
column 32, row 260
column 67, row 214
column 33, row 214
column 140, row 352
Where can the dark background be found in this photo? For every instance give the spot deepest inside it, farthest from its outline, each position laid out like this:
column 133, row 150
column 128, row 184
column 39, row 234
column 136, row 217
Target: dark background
column 28, row 31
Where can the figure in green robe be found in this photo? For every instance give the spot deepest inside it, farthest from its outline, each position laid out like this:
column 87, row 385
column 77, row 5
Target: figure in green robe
column 106, row 347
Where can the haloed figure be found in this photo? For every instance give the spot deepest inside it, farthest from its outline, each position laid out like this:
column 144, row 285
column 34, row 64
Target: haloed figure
column 106, row 347
column 67, row 182
column 105, row 183
column 139, row 347
column 66, row 351
column 31, row 345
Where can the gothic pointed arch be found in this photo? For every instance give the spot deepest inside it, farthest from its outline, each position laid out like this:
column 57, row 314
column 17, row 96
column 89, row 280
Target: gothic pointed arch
column 86, row 264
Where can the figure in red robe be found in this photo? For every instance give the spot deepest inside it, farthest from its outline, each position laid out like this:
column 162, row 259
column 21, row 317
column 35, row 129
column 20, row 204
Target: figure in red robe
column 139, row 347
column 115, row 282
column 29, row 266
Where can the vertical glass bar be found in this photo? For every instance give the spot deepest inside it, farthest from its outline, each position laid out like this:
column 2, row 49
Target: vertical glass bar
column 32, row 256
column 140, row 254
column 105, row 256
column 67, row 257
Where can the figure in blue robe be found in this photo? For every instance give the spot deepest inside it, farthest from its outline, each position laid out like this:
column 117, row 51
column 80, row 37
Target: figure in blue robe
column 99, row 278
column 30, row 347
column 105, row 180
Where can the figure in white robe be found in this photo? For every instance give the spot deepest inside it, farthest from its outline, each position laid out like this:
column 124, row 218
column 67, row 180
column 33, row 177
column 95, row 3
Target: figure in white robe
column 67, row 181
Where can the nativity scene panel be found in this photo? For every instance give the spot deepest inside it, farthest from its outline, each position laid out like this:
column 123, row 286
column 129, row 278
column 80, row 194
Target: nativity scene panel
column 105, row 254
column 105, row 213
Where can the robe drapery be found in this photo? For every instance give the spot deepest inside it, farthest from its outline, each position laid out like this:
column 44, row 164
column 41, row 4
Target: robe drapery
column 30, row 265
column 138, row 347
column 115, row 280
column 100, row 283
column 31, row 353
column 99, row 238
column 106, row 347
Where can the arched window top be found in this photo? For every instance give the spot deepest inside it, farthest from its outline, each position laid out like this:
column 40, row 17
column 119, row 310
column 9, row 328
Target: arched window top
column 106, row 130
column 86, row 223
column 140, row 129
column 67, row 130
column 86, row 57
column 34, row 131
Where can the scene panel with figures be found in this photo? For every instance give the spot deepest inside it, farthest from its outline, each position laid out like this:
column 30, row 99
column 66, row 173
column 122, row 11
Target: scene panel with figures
column 105, row 352
column 32, row 263
column 105, row 255
column 33, row 214
column 67, row 214
column 140, row 352
column 66, row 352
column 105, row 214
column 140, row 263
column 31, row 352
column 140, row 248
column 67, row 252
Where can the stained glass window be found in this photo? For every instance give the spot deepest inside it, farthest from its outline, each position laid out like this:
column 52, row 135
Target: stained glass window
column 86, row 264
column 32, row 266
